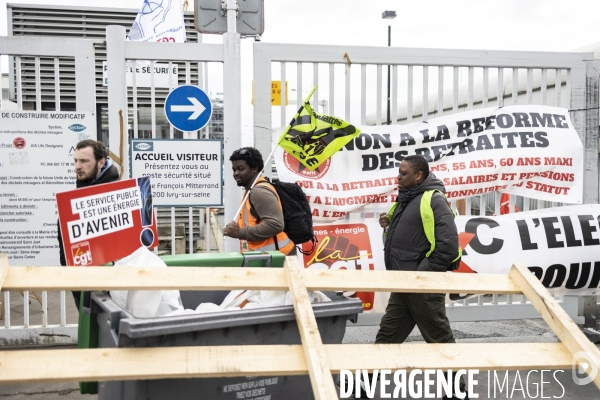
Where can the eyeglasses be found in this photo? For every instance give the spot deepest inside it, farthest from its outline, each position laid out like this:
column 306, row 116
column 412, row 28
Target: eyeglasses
column 244, row 151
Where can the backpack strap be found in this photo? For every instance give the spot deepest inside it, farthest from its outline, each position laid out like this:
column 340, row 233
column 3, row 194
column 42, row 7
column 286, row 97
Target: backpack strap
column 256, row 212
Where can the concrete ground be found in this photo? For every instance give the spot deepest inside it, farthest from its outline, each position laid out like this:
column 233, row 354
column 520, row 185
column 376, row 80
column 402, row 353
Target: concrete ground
column 522, row 331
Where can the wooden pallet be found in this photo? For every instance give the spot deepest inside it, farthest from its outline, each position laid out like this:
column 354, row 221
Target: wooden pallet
column 314, row 358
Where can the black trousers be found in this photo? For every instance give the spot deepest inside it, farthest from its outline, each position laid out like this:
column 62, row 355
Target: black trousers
column 425, row 310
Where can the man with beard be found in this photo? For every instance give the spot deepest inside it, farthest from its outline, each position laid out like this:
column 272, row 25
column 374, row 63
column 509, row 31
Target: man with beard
column 260, row 223
column 420, row 235
column 93, row 167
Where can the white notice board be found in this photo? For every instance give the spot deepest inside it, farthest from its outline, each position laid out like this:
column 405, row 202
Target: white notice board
column 183, row 172
column 36, row 161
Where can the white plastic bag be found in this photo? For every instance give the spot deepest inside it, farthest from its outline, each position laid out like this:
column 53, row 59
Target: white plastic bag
column 145, row 303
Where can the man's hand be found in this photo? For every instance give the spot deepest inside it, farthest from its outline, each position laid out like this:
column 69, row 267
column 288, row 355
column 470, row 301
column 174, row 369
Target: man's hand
column 232, row 230
column 383, row 220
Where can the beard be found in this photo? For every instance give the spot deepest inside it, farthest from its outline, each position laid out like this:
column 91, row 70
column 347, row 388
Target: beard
column 88, row 177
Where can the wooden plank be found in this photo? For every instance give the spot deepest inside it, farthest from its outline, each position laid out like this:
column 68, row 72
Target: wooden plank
column 404, row 281
column 68, row 365
column 582, row 350
column 482, row 356
column 3, row 269
column 109, row 278
column 318, row 364
column 223, row 278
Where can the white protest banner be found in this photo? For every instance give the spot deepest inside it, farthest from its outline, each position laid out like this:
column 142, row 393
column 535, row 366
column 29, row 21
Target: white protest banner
column 531, row 151
column 184, row 172
column 561, row 246
column 159, row 21
column 36, row 161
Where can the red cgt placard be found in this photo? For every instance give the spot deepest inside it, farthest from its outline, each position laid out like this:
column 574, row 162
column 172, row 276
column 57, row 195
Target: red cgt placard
column 104, row 223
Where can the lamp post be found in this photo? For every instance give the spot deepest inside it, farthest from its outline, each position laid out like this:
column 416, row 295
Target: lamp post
column 389, row 15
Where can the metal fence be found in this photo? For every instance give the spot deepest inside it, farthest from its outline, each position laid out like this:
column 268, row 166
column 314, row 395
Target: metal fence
column 44, row 59
column 351, row 81
column 425, row 83
column 29, row 54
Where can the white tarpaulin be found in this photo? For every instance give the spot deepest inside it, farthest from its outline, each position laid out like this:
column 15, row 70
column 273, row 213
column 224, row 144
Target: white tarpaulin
column 532, row 151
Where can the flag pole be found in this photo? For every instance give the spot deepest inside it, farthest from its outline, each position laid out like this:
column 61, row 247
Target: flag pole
column 271, row 155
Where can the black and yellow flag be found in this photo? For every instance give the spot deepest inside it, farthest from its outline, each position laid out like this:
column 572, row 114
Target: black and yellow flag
column 312, row 138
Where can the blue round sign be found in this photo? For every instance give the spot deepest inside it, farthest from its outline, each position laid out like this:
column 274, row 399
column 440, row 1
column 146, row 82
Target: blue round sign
column 188, row 108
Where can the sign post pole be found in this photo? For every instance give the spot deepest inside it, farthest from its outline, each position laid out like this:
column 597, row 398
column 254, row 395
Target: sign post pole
column 232, row 117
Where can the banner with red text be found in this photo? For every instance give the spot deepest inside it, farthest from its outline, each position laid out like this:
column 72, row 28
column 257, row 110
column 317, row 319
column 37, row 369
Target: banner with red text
column 561, row 246
column 104, row 223
column 532, row 151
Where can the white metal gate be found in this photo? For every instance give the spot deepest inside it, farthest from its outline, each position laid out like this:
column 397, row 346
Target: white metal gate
column 351, row 81
column 42, row 55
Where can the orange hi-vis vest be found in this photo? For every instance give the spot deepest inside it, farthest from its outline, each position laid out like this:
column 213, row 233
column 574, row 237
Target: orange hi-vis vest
column 245, row 219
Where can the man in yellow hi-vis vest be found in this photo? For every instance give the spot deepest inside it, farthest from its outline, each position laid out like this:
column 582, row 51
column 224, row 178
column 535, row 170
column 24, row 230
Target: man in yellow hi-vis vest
column 420, row 235
column 260, row 221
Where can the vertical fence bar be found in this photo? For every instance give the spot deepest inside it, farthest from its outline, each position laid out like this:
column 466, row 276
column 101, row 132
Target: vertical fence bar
column 57, row 107
column 171, row 137
column 455, row 71
column 207, row 209
column 440, row 107
column 515, row 86
column 529, row 85
column 316, row 81
column 26, row 308
column 282, row 85
column 134, row 96
column 470, row 88
column 347, row 92
column 331, row 106
column 486, row 82
column 378, row 103
column 363, row 94
column 409, row 94
column 7, row 309
column 63, row 308
column 557, row 87
column 394, row 113
column 299, row 98
column 425, row 109
column 544, row 85
column 568, row 90
column 44, row 308
column 500, row 87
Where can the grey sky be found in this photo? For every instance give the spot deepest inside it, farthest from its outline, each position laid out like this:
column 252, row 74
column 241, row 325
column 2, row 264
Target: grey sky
column 538, row 25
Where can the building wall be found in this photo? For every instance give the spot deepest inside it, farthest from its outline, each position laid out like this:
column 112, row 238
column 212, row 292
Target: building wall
column 88, row 23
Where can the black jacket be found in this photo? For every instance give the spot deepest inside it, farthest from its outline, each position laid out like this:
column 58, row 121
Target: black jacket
column 406, row 245
column 109, row 173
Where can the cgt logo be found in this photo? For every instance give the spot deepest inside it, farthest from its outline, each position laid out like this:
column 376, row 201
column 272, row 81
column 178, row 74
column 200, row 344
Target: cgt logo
column 77, row 127
column 82, row 254
column 144, row 146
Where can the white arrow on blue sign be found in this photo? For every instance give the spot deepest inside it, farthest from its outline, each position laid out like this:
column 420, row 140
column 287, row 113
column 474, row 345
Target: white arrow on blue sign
column 188, row 108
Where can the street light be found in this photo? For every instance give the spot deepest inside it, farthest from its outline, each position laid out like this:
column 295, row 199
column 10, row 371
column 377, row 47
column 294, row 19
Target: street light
column 388, row 15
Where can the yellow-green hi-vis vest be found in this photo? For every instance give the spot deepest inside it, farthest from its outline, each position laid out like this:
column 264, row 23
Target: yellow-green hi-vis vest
column 428, row 220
